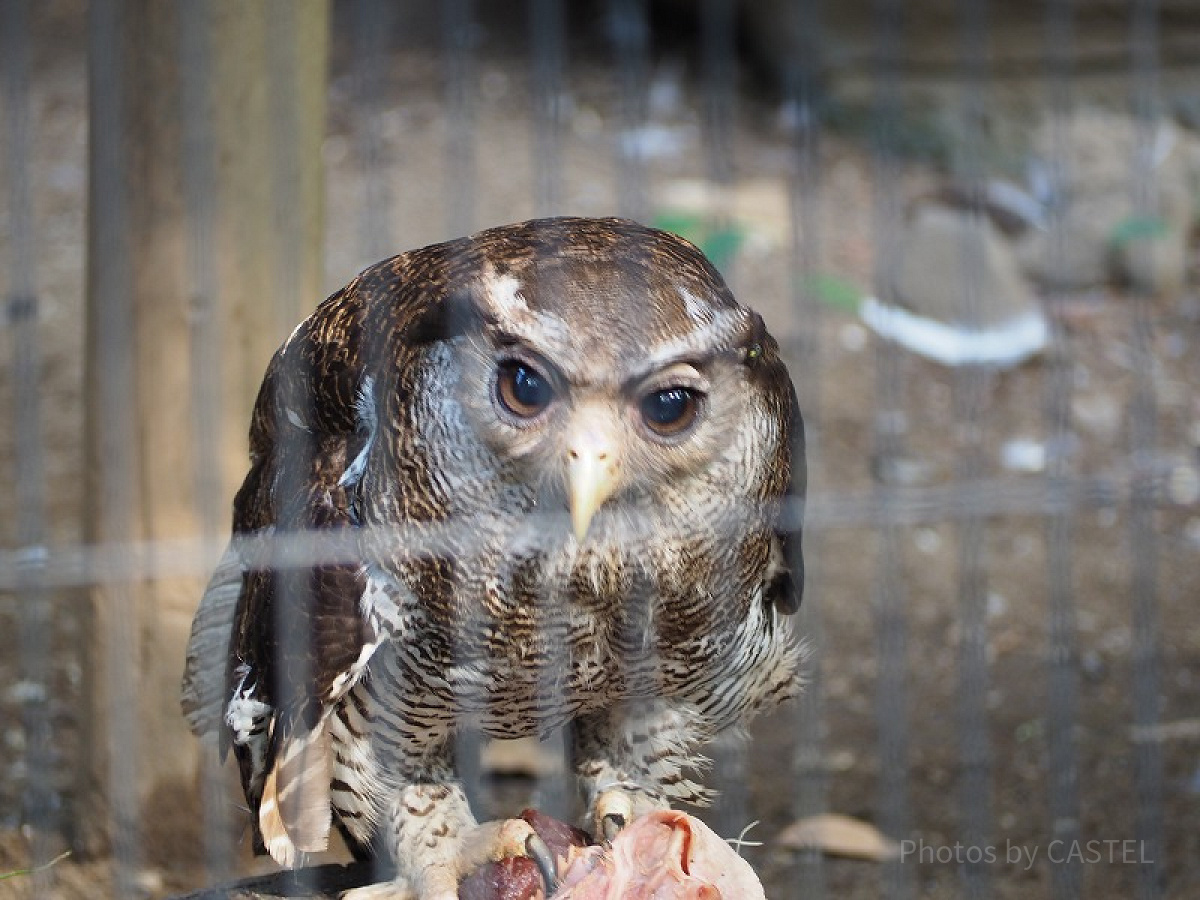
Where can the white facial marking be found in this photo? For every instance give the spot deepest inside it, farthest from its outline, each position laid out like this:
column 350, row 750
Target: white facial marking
column 697, row 310
column 505, row 293
column 710, row 328
column 505, row 297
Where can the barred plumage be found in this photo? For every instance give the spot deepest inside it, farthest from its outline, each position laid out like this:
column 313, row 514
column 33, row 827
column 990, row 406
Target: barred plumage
column 555, row 457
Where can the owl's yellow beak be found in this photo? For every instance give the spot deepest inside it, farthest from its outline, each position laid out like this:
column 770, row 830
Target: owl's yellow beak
column 593, row 470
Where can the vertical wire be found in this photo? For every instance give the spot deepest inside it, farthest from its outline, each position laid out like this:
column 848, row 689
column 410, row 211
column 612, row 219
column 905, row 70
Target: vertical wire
column 553, row 791
column 1066, row 876
column 282, row 78
column 370, row 29
column 547, row 31
column 458, row 45
column 458, row 65
column 808, row 762
column 718, row 62
column 1143, row 439
column 629, row 26
column 468, row 736
column 292, row 595
column 970, row 392
column 198, row 152
column 39, row 801
column 887, row 220
column 629, row 30
column 889, row 595
column 113, row 425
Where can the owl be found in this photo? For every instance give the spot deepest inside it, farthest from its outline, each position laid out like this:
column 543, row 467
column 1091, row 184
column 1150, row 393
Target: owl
column 548, row 476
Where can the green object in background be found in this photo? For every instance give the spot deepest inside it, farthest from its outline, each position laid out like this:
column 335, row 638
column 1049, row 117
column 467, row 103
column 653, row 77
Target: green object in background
column 1137, row 228
column 720, row 242
column 832, row 291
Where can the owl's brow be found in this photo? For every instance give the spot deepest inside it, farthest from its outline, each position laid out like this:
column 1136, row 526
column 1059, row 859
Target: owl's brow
column 514, row 340
column 725, row 335
column 697, row 359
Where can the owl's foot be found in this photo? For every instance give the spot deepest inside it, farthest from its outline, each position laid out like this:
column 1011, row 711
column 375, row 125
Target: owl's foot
column 617, row 806
column 437, row 879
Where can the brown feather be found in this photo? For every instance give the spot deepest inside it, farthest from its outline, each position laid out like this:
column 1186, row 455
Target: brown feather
column 272, row 831
column 294, row 815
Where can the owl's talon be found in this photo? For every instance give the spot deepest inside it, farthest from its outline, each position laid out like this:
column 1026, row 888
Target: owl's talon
column 536, row 849
column 612, row 825
column 493, row 841
column 613, row 811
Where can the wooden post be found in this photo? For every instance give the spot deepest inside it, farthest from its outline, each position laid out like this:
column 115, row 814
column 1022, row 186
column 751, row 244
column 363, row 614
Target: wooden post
column 146, row 453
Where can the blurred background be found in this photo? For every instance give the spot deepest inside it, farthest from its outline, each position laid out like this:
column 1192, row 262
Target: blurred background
column 970, row 224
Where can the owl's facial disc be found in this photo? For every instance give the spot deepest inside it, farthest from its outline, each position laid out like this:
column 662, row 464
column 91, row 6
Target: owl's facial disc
column 593, row 464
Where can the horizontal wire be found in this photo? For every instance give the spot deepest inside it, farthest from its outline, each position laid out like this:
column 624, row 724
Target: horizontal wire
column 80, row 565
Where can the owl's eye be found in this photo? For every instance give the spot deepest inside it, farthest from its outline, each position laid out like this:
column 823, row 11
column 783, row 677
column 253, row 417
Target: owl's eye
column 522, row 389
column 668, row 412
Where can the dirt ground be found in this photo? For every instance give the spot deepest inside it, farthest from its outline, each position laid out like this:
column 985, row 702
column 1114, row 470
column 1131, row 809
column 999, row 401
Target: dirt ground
column 835, row 363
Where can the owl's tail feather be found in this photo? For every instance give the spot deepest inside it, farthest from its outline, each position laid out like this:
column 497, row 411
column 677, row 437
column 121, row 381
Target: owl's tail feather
column 294, row 815
column 204, row 693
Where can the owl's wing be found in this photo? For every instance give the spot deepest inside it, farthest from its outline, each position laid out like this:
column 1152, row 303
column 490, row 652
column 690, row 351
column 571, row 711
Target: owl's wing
column 277, row 640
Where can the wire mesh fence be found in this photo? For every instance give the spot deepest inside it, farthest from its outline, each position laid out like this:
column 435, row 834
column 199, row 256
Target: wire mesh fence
column 1001, row 531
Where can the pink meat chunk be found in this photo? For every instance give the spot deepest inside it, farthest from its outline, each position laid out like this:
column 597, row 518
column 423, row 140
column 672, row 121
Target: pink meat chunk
column 666, row 855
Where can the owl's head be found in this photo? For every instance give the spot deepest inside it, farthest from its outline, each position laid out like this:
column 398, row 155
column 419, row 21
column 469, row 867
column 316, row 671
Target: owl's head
column 608, row 364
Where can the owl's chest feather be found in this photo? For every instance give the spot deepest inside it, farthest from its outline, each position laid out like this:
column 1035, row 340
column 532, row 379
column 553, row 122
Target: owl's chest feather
column 573, row 629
